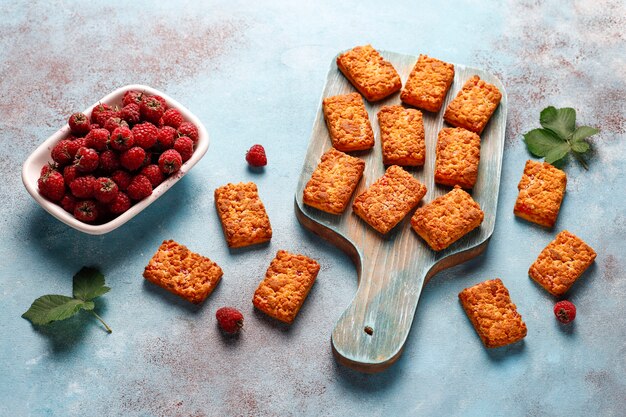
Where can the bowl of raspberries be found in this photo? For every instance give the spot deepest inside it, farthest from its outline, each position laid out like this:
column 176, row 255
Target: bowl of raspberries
column 114, row 159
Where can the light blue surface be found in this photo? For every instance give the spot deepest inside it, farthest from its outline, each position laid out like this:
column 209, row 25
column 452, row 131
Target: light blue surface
column 253, row 73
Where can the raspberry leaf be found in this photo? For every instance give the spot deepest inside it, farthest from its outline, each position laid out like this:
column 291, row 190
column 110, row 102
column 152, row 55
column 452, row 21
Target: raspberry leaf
column 561, row 122
column 49, row 308
column 89, row 284
column 541, row 141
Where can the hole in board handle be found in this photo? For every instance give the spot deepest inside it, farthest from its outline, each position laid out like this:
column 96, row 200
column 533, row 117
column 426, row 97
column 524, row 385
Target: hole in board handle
column 369, row 330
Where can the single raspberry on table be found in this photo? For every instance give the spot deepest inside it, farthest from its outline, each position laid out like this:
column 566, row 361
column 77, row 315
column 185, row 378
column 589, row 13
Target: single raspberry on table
column 167, row 137
column 229, row 319
column 130, row 113
column 70, row 173
column 86, row 211
column 139, row 188
column 98, row 139
column 83, row 187
column 172, row 118
column 256, row 156
column 184, row 146
column 61, row 154
column 86, row 159
column 153, row 173
column 133, row 158
column 115, row 122
column 188, row 129
column 145, row 134
column 122, row 179
column 565, row 311
column 120, row 204
column 133, row 97
column 105, row 190
column 122, row 139
column 51, row 184
column 79, row 124
column 152, row 109
column 109, row 161
column 69, row 203
column 170, row 161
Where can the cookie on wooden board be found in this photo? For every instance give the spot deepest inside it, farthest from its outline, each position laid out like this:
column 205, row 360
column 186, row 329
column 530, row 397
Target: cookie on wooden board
column 428, row 83
column 473, row 106
column 348, row 122
column 402, row 136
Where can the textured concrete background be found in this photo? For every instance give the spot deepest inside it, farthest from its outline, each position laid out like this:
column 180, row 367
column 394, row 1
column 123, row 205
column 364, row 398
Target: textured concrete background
column 253, row 72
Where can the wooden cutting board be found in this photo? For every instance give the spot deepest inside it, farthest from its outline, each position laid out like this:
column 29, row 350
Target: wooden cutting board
column 393, row 268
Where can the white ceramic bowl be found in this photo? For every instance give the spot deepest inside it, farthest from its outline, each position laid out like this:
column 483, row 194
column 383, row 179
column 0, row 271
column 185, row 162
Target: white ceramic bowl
column 32, row 166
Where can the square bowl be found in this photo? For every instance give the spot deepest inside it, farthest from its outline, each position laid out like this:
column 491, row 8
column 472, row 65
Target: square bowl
column 32, row 166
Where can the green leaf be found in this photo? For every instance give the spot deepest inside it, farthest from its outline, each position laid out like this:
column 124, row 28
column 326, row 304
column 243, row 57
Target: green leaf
column 541, row 141
column 583, row 132
column 89, row 284
column 561, row 122
column 49, row 308
column 557, row 153
column 580, row 146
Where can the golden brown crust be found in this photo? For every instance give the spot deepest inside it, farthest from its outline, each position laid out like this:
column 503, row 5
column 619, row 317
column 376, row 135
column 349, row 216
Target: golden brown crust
column 458, row 155
column 182, row 272
column 492, row 313
column 287, row 283
column 402, row 136
column 561, row 263
column 242, row 213
column 369, row 72
column 447, row 218
column 473, row 106
column 428, row 83
column 389, row 199
column 541, row 192
column 333, row 182
column 348, row 122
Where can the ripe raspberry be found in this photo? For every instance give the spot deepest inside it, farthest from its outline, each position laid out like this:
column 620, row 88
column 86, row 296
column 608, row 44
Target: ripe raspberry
column 170, row 161
column 151, row 109
column 86, row 160
column 133, row 97
column 74, row 145
column 97, row 139
column 145, row 135
column 139, row 188
column 122, row 139
column 133, row 158
column 86, row 211
column 184, row 146
column 162, row 100
column 83, row 187
column 50, row 166
column 70, row 173
column 109, row 161
column 122, row 179
column 229, row 319
column 120, row 204
column 172, row 117
column 565, row 311
column 188, row 129
column 147, row 160
column 256, row 156
column 167, row 136
column 69, row 203
column 51, row 185
column 130, row 113
column 105, row 190
column 153, row 173
column 93, row 126
column 115, row 122
column 79, row 124
column 60, row 153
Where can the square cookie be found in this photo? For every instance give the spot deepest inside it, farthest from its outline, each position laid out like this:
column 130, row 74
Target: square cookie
column 287, row 283
column 428, row 83
column 458, row 155
column 182, row 272
column 389, row 199
column 402, row 136
column 333, row 182
column 242, row 213
column 541, row 192
column 473, row 106
column 369, row 72
column 348, row 122
column 561, row 263
column 447, row 218
column 493, row 314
